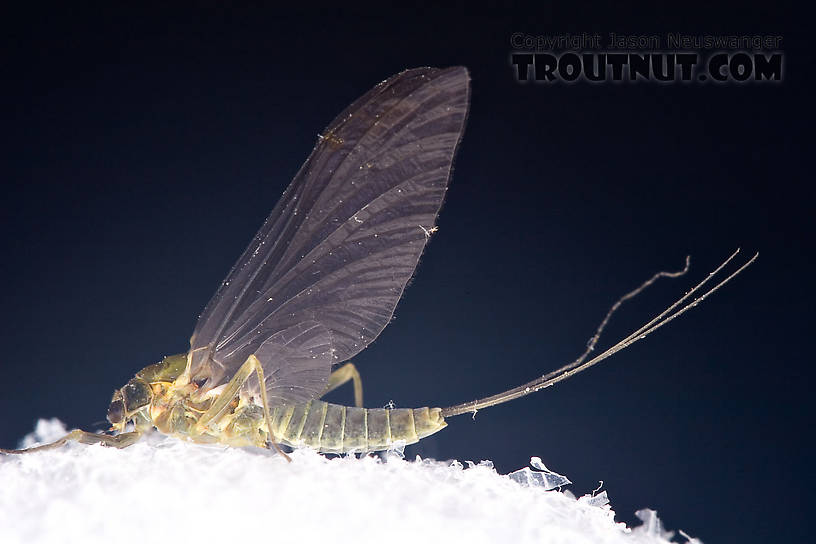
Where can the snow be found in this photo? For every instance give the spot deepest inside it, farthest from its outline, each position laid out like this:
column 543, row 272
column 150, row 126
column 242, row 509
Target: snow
column 173, row 491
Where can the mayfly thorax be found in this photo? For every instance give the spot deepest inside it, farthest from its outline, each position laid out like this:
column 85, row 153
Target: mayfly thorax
column 319, row 282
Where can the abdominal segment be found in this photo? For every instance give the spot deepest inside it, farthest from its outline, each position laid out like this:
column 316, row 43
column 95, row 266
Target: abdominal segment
column 332, row 428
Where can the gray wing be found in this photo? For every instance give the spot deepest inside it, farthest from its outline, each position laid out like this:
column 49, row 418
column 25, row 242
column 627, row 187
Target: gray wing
column 322, row 276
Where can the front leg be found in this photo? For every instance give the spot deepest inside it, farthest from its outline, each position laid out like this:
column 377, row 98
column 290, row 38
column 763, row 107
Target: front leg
column 84, row 437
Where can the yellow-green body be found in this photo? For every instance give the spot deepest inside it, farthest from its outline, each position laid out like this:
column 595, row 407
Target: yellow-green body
column 157, row 397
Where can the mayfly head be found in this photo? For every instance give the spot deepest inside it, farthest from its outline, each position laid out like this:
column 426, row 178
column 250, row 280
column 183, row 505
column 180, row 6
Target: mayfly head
column 128, row 402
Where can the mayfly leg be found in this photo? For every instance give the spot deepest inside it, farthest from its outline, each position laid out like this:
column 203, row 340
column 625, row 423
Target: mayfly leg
column 251, row 365
column 340, row 376
column 84, row 437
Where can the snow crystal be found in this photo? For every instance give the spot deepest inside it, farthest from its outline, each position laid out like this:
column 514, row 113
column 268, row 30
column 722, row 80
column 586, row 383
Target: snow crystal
column 162, row 489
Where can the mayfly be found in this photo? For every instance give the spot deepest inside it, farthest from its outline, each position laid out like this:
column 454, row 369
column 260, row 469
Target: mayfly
column 318, row 283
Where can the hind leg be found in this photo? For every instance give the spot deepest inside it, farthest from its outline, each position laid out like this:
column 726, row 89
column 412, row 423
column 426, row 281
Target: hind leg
column 343, row 374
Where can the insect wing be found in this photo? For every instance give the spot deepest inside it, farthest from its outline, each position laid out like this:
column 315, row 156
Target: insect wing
column 321, row 278
column 295, row 360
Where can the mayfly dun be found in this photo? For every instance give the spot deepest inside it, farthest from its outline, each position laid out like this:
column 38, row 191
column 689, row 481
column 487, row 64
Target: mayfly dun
column 318, row 283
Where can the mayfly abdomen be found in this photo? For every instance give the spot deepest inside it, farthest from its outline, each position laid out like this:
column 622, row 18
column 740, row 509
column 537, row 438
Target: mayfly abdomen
column 332, row 428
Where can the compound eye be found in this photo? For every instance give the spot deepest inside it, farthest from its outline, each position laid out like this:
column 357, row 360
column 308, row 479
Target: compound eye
column 116, row 411
column 136, row 395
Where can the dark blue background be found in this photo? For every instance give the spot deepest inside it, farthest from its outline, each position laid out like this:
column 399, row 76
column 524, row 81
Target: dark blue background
column 142, row 149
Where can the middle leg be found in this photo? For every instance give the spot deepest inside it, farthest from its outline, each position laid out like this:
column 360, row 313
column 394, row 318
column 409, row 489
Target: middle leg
column 232, row 388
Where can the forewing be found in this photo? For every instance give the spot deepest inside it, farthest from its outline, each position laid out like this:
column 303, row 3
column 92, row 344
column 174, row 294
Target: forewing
column 338, row 249
column 298, row 357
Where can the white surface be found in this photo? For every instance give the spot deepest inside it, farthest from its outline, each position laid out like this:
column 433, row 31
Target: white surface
column 165, row 490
